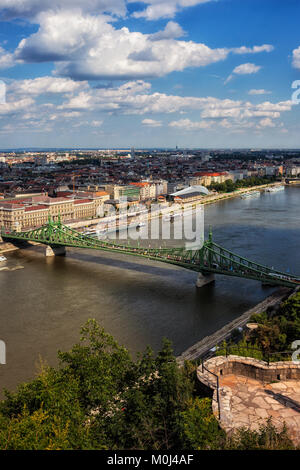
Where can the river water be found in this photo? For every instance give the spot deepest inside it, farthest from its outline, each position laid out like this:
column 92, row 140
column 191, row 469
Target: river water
column 45, row 301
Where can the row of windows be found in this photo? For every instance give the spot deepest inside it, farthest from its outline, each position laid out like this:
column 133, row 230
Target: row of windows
column 34, row 219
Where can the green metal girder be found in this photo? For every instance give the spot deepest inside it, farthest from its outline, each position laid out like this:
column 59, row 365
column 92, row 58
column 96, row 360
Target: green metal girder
column 211, row 258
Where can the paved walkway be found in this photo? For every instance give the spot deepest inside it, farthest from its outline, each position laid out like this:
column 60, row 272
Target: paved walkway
column 248, row 402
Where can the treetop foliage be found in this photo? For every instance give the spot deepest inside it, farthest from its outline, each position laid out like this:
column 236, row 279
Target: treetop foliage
column 99, row 398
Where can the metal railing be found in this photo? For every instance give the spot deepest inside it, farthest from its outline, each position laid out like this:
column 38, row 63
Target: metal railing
column 217, row 385
column 266, row 356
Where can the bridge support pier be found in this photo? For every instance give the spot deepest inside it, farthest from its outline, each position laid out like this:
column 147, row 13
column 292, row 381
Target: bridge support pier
column 205, row 279
column 55, row 250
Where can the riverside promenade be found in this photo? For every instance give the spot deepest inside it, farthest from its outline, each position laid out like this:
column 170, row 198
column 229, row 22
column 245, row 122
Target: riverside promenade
column 206, row 344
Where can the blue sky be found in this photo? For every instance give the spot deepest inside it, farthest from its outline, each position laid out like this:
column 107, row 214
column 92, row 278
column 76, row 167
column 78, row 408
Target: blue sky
column 156, row 73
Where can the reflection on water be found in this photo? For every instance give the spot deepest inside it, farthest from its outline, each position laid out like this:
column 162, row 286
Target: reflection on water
column 136, row 300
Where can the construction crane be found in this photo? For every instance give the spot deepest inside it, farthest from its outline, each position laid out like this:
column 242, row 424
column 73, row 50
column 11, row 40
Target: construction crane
column 74, row 176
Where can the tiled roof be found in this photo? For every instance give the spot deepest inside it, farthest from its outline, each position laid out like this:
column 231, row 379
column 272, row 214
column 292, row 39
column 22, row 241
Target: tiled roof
column 35, row 208
column 82, row 201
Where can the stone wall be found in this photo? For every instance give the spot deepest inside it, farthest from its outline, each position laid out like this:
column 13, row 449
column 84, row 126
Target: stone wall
column 250, row 392
column 247, row 367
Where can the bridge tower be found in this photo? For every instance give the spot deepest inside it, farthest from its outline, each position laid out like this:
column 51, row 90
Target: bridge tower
column 55, row 250
column 205, row 278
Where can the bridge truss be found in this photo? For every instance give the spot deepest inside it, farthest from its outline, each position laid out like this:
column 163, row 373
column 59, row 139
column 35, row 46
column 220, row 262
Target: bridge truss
column 211, row 258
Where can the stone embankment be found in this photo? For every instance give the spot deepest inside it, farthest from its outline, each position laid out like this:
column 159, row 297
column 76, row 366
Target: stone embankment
column 202, row 347
column 7, row 247
column 221, row 196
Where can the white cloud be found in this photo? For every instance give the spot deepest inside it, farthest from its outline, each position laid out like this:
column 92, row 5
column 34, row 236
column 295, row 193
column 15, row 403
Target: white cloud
column 151, row 123
column 136, row 98
column 254, row 49
column 63, row 35
column 6, row 59
column 157, row 9
column 16, row 106
column 259, row 92
column 87, row 106
column 296, row 58
column 96, row 123
column 32, row 8
column 43, row 85
column 89, row 47
column 231, row 125
column 244, row 69
column 267, row 122
column 188, row 125
column 172, row 30
column 72, row 114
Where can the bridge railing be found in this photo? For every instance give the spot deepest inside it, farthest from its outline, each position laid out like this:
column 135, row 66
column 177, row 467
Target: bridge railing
column 223, row 262
column 234, row 258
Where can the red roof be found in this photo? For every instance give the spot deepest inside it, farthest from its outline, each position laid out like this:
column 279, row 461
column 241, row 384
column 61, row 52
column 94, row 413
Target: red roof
column 64, row 193
column 35, row 208
column 203, row 173
column 141, row 185
column 82, row 201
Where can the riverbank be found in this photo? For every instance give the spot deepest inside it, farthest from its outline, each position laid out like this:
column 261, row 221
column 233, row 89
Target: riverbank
column 207, row 200
column 175, row 208
column 7, row 247
column 237, row 193
column 203, row 347
column 211, row 199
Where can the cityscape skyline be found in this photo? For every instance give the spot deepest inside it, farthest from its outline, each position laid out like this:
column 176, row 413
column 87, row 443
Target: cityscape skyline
column 153, row 74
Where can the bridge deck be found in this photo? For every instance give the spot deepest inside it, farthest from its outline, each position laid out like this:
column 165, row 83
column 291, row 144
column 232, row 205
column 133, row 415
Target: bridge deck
column 211, row 258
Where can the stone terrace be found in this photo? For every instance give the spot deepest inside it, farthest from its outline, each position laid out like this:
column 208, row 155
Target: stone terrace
column 250, row 392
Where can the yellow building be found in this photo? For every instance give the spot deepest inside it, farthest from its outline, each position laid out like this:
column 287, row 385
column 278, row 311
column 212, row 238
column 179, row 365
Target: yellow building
column 18, row 214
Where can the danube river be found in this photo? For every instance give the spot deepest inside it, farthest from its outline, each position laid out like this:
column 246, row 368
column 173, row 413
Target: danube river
column 45, row 301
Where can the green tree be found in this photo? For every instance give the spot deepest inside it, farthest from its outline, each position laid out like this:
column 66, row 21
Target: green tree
column 200, row 429
column 268, row 437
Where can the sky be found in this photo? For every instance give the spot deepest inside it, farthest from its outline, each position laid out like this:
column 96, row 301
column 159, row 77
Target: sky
column 150, row 73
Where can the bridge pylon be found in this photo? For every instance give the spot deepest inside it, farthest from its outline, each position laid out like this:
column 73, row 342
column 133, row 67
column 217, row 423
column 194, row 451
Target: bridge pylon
column 55, row 250
column 204, row 279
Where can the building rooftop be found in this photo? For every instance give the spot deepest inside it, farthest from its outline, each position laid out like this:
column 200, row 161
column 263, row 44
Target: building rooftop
column 192, row 189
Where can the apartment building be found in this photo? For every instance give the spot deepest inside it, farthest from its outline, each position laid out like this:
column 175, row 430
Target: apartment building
column 208, row 178
column 118, row 192
column 147, row 190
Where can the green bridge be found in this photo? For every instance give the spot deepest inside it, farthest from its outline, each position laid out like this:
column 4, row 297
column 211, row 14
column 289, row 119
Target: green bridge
column 209, row 260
